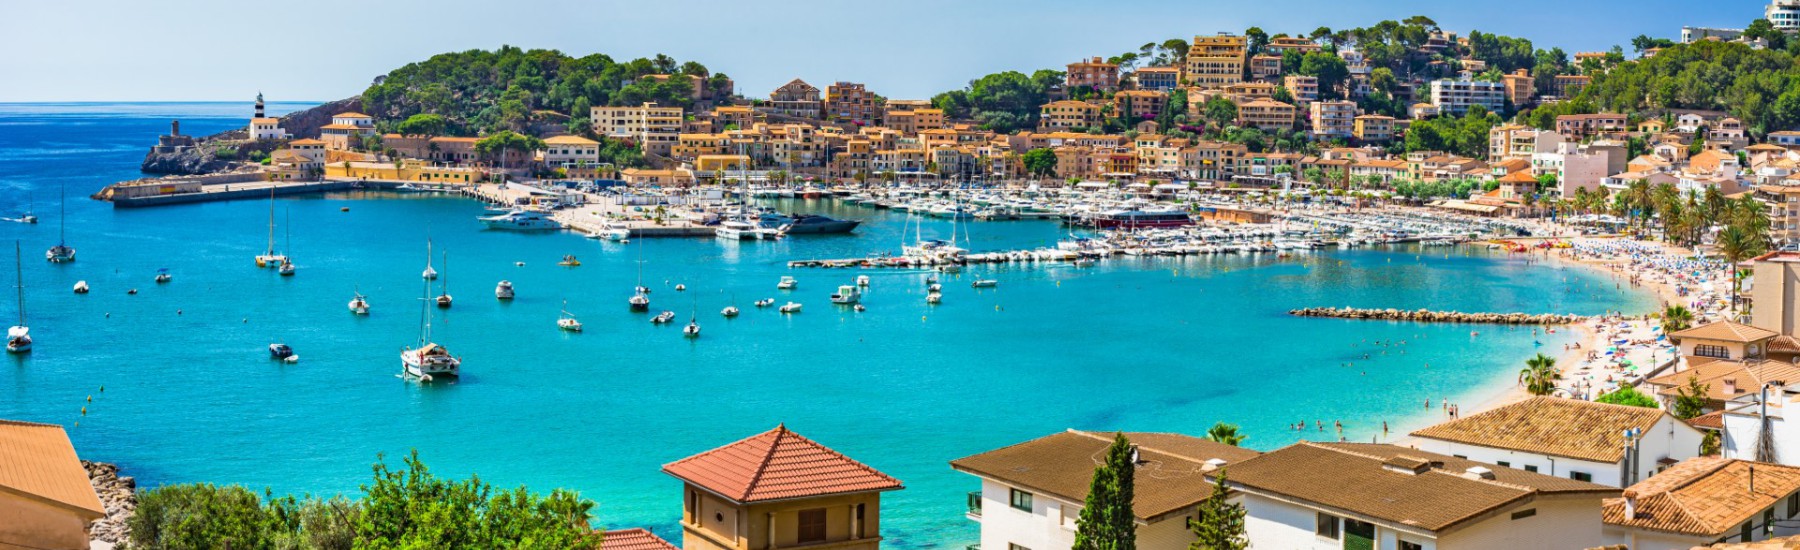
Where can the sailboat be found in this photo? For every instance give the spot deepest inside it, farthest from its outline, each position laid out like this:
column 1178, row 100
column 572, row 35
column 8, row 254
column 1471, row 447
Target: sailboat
column 287, row 260
column 28, row 216
column 269, row 258
column 567, row 320
column 443, row 300
column 692, row 330
column 640, row 297
column 62, row 252
column 430, row 273
column 18, row 338
column 359, row 304
column 430, row 360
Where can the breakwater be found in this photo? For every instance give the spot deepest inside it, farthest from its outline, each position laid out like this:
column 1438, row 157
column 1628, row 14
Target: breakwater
column 118, row 494
column 1428, row 316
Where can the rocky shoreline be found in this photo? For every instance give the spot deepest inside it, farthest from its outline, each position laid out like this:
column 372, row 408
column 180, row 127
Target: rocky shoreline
column 1428, row 316
column 118, row 494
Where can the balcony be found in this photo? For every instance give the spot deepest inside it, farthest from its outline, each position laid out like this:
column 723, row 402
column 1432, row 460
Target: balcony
column 975, row 507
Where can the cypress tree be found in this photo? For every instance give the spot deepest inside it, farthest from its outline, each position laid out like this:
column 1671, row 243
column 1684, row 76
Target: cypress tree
column 1107, row 521
column 1219, row 524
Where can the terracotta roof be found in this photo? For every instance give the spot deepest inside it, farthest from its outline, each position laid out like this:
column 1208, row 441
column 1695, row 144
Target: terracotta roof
column 1706, row 496
column 1727, row 331
column 1396, row 484
column 1062, row 465
column 1521, row 176
column 306, row 141
column 340, row 127
column 778, row 464
column 351, row 115
column 633, row 539
column 1548, row 425
column 1710, row 421
column 569, row 140
column 38, row 460
column 1747, row 376
column 1783, row 344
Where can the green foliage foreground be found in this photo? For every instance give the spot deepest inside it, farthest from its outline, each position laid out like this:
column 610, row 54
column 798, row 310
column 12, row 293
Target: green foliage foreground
column 407, row 508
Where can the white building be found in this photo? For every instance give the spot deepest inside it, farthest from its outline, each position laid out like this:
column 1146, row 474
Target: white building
column 267, row 128
column 1333, row 119
column 1330, row 496
column 1704, row 501
column 1454, row 97
column 1032, row 493
column 1571, row 438
column 1690, row 35
column 1784, row 14
column 655, row 128
column 569, row 150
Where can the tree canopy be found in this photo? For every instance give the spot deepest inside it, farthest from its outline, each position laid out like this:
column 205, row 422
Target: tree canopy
column 1002, row 102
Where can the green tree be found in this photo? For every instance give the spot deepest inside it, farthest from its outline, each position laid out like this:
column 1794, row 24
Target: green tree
column 1219, row 111
column 1218, row 524
column 1628, row 396
column 1107, row 521
column 1040, row 161
column 423, row 124
column 204, row 515
column 1539, row 375
column 1676, row 318
column 506, row 144
column 1225, row 433
column 1691, row 400
column 412, row 508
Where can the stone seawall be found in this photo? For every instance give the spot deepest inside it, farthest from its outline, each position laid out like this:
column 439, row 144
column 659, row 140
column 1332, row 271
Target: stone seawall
column 117, row 494
column 1428, row 316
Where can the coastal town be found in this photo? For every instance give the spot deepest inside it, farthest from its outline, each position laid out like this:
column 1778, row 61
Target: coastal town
column 1648, row 430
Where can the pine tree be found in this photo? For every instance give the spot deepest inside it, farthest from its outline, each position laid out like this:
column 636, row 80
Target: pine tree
column 1219, row 524
column 1107, row 521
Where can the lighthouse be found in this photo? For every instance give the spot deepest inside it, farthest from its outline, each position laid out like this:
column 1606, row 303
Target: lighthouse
column 259, row 106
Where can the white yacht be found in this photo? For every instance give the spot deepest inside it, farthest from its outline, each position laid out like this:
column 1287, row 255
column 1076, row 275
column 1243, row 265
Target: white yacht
column 862, row 280
column 985, row 283
column 787, row 283
column 504, row 290
column 81, row 287
column 729, row 311
column 429, row 361
column 521, row 220
column 663, row 317
column 735, row 230
column 162, row 275
column 18, row 338
column 790, row 307
column 846, row 295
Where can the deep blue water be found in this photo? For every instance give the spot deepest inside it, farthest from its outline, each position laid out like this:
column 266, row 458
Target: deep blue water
column 1146, row 345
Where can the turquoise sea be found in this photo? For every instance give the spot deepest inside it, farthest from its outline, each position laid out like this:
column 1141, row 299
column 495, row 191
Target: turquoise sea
column 1145, row 345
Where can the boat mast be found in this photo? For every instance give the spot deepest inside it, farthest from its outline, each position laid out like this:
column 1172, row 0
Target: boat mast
column 271, row 220
column 62, row 217
column 446, row 273
column 19, row 262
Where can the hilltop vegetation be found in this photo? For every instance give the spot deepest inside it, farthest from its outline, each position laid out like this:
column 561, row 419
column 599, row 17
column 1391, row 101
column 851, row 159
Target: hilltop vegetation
column 1759, row 87
column 479, row 91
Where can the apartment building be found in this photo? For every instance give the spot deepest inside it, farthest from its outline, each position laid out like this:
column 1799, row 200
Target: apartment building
column 267, row 128
column 1214, row 61
column 1455, row 97
column 1567, row 85
column 1265, row 66
column 1266, row 114
column 1291, row 43
column 1784, row 228
column 1093, row 73
column 656, row 129
column 1305, row 89
column 852, row 102
column 1613, row 445
column 1784, row 15
column 734, row 115
column 568, row 150
column 1159, row 79
column 1520, row 87
column 1333, row 119
column 1580, row 127
column 1374, row 128
column 915, row 121
column 796, row 99
column 1139, row 105
column 1032, row 493
column 1068, row 114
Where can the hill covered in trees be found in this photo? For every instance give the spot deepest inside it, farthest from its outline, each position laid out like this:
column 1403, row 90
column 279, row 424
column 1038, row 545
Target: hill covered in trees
column 480, row 91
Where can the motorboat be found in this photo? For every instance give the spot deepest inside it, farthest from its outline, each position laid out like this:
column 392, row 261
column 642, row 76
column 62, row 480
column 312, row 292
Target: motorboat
column 765, row 302
column 680, row 287
column 162, row 275
column 521, row 220
column 280, row 351
column 860, row 308
column 18, row 337
column 503, row 290
column 846, row 295
column 862, row 280
column 934, row 298
column 663, row 317
column 729, row 311
column 985, row 283
column 787, row 283
column 735, row 230
column 567, row 321
column 81, row 287
column 359, row 304
column 800, row 224
column 287, row 267
column 934, row 287
column 616, row 232
column 790, row 307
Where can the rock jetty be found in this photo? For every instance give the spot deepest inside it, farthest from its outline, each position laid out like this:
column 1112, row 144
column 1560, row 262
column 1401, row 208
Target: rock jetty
column 1428, row 316
column 118, row 495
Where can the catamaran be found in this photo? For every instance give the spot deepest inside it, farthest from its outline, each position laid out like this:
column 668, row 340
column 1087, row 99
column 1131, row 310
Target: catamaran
column 430, row 360
column 62, row 252
column 18, row 338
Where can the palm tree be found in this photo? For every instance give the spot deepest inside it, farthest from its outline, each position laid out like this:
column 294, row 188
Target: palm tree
column 1225, row 433
column 1676, row 318
column 1539, row 375
column 1736, row 244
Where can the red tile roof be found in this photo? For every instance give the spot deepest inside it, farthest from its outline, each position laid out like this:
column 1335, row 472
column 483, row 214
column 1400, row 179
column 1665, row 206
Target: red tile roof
column 633, row 539
column 775, row 465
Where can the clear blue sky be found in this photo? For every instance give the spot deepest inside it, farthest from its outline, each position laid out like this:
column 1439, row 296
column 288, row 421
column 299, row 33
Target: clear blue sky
column 105, row 50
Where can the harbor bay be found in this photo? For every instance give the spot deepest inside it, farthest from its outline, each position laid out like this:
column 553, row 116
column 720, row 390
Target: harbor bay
column 1149, row 344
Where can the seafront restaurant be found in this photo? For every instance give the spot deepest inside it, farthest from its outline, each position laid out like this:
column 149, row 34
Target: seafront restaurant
column 778, row 489
column 46, row 501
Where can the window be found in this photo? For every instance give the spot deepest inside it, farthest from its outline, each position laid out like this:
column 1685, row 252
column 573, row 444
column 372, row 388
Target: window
column 1530, row 468
column 1011, row 546
column 812, row 525
column 1404, row 545
column 1021, row 500
column 1793, row 505
column 1581, row 476
column 1744, row 532
column 1327, row 526
column 694, row 505
column 861, row 522
column 1707, row 350
column 1522, row 514
column 1504, row 464
column 1769, row 522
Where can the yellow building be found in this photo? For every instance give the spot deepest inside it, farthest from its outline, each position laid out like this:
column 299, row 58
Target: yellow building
column 690, row 146
column 1373, row 128
column 1266, row 114
column 1139, row 104
column 46, row 501
column 721, row 163
column 778, row 490
column 655, row 128
column 1520, row 87
column 1216, row 61
column 1066, row 114
column 406, row 170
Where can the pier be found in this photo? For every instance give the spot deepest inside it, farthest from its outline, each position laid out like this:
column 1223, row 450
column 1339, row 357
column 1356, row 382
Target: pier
column 1428, row 316
column 170, row 191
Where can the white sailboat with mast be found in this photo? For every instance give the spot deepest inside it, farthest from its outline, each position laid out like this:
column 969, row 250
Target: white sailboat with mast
column 640, row 297
column 18, row 337
column 429, row 361
column 269, row 258
column 62, row 252
column 430, row 273
column 443, row 299
column 287, row 259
